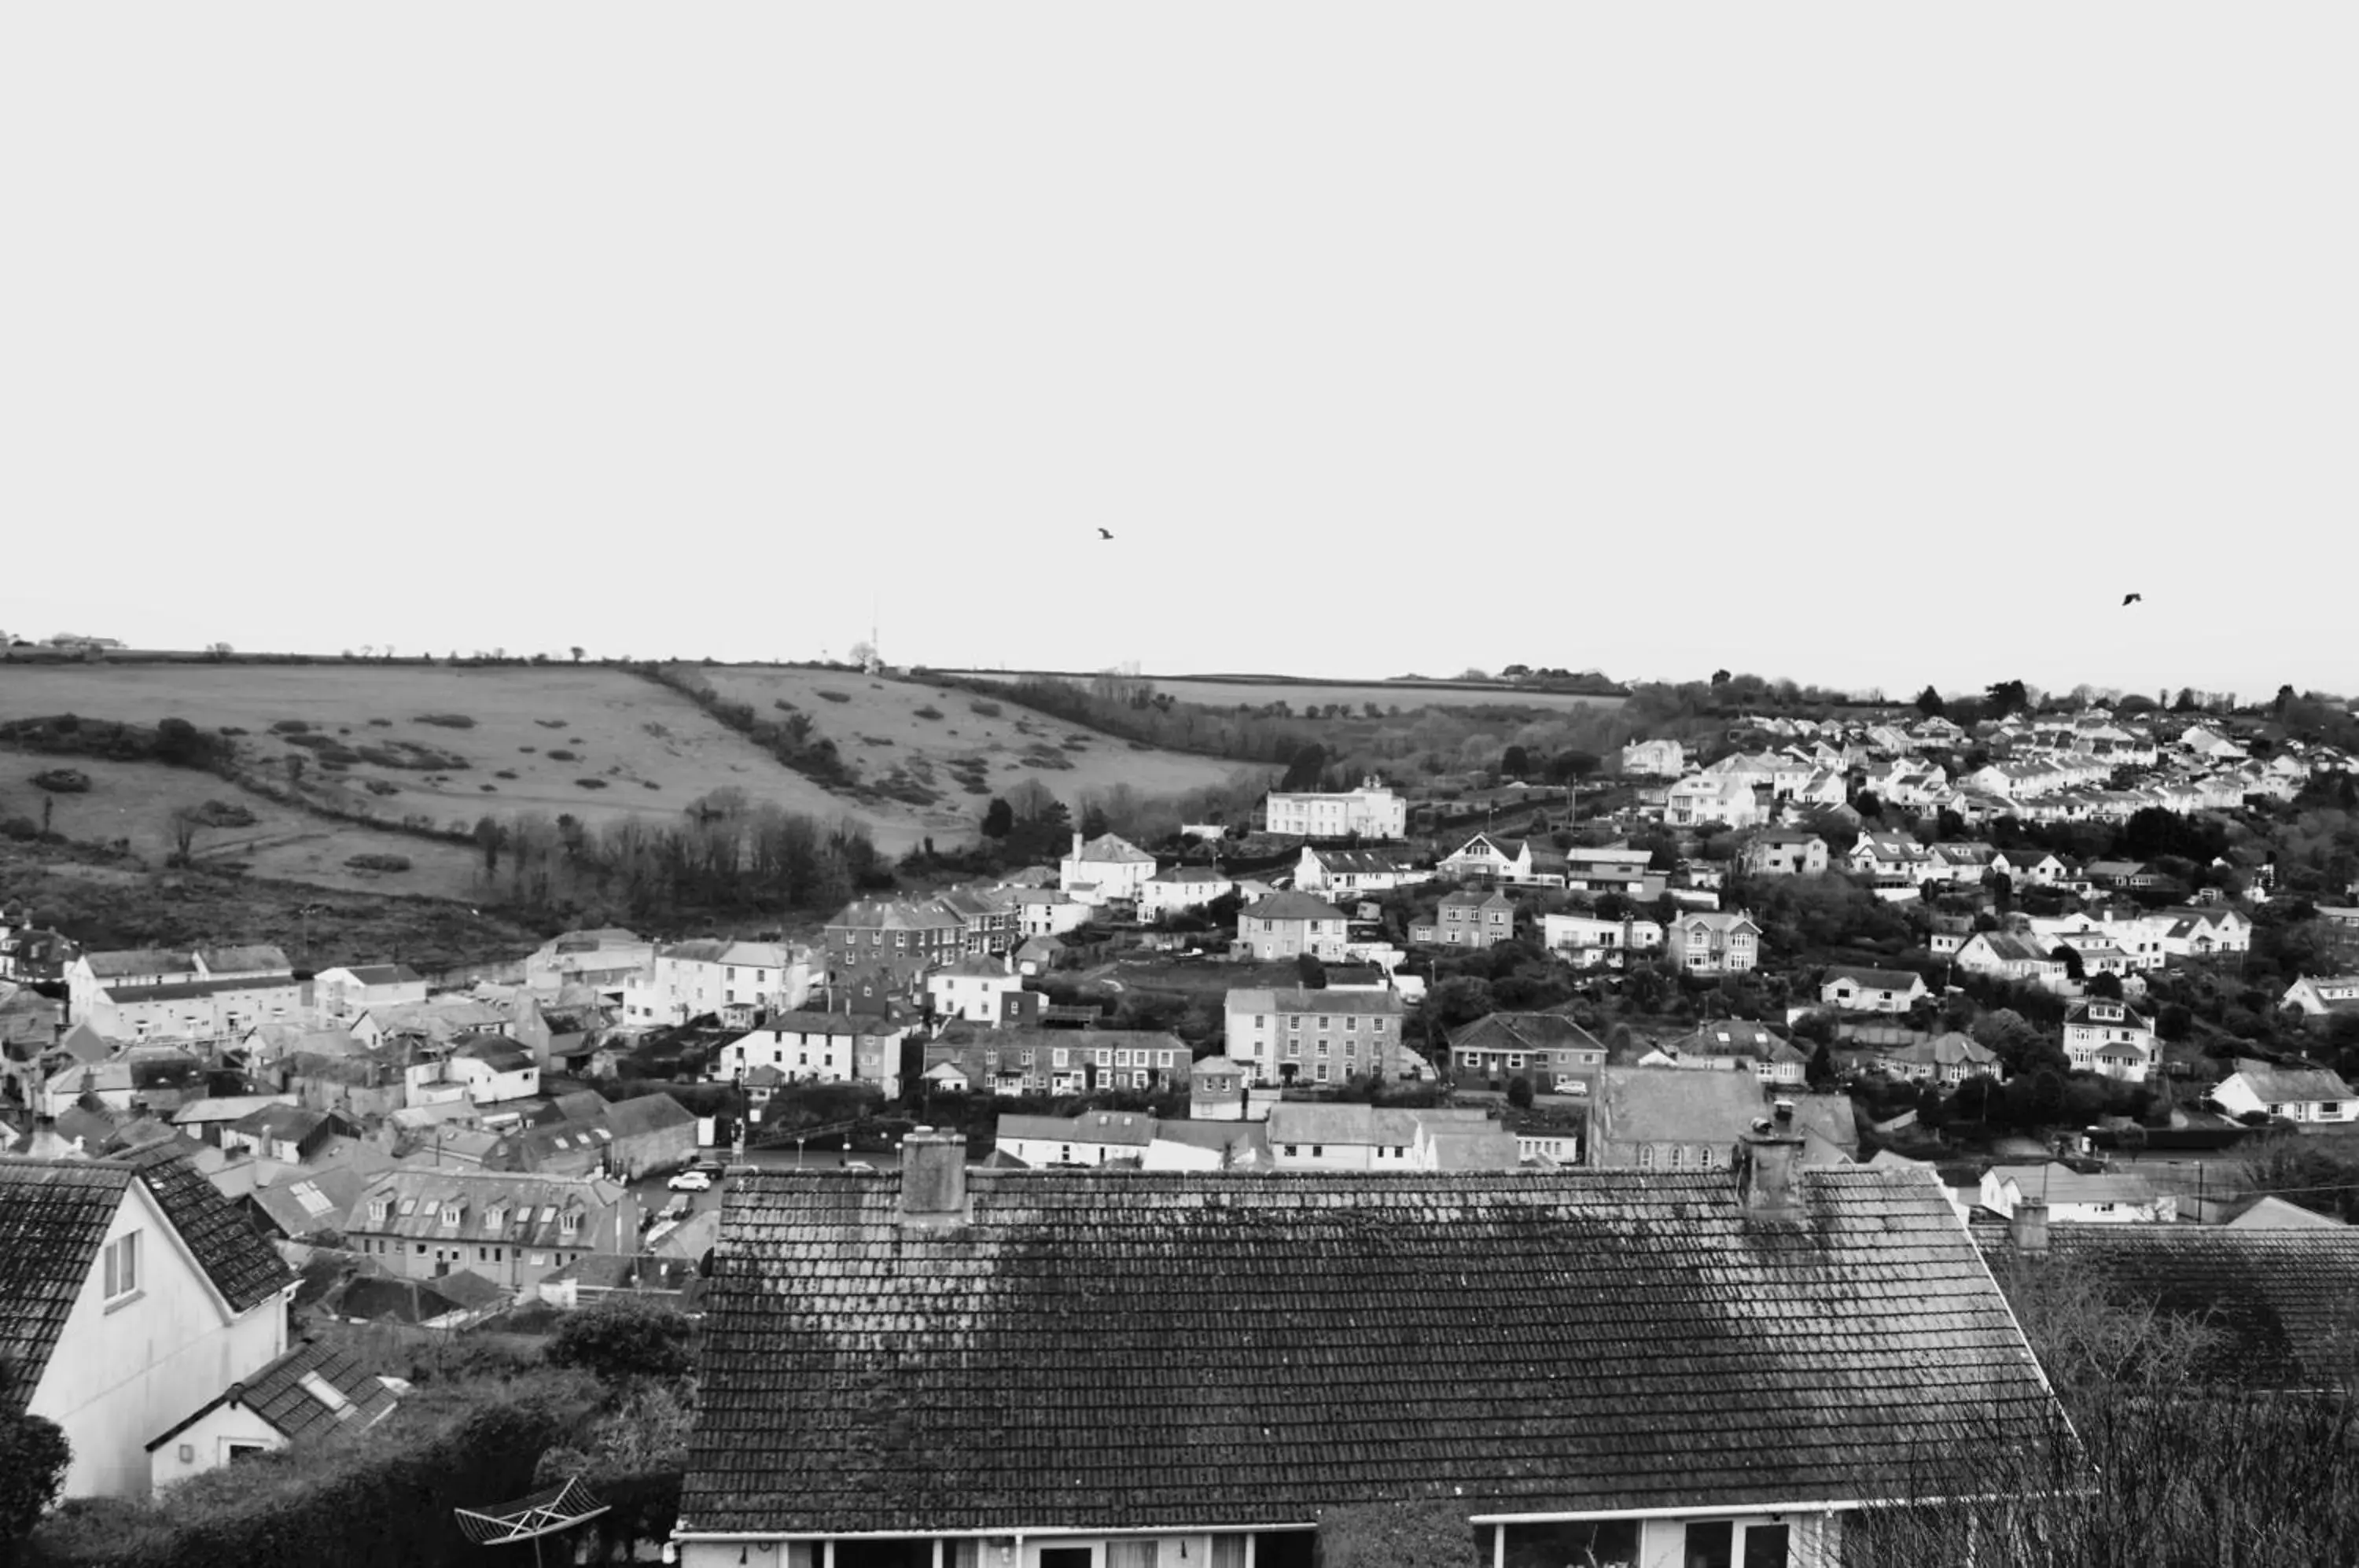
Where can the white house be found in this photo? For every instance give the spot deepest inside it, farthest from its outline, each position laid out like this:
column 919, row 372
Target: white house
column 343, row 992
column 697, row 979
column 1786, row 851
column 2101, row 1199
column 2110, row 1038
column 2318, row 995
column 208, row 993
column 1106, row 869
column 1093, row 1138
column 1042, row 912
column 1492, row 857
column 1371, row 811
column 2029, row 868
column 972, row 988
column 1585, row 939
column 1872, row 990
column 2007, row 957
column 2297, row 1094
column 1894, row 857
column 133, row 1293
column 1708, row 798
column 311, row 1390
column 1313, row 1036
column 1178, row 887
column 1713, row 943
column 1653, row 759
column 1325, row 869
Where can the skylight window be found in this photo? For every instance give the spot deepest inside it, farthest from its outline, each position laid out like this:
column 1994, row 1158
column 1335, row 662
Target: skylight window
column 327, row 1394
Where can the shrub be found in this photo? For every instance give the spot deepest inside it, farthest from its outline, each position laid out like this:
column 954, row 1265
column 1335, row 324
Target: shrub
column 22, row 829
column 621, row 1338
column 381, row 786
column 63, row 781
column 381, row 724
column 448, row 721
column 489, row 789
column 378, row 862
column 563, row 756
column 930, row 712
column 836, row 696
column 290, row 726
column 34, row 1454
column 590, row 783
column 224, row 814
column 551, row 724
column 988, row 709
column 504, row 773
column 649, row 784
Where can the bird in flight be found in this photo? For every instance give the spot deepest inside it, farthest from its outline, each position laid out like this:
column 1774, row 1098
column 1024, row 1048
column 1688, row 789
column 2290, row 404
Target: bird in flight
column 2132, row 598
column 1103, row 534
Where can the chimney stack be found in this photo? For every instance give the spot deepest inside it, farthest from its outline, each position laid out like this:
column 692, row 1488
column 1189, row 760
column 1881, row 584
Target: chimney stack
column 2027, row 1227
column 933, row 1179
column 1077, row 844
column 1770, row 1175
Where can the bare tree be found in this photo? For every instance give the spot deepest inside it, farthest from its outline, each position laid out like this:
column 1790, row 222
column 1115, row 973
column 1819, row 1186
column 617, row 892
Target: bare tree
column 182, row 824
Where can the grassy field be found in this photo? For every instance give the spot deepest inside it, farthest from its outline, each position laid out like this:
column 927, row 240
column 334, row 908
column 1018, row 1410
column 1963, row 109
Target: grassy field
column 595, row 743
column 132, row 801
column 934, row 736
column 1407, row 696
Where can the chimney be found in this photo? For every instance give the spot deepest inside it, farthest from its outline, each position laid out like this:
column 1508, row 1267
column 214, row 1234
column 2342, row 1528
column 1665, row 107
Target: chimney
column 1769, row 1173
column 2027, row 1227
column 933, row 1179
column 1077, row 844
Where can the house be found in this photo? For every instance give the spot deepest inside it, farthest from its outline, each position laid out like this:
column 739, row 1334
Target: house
column 1230, row 1145
column 1287, row 925
column 2319, row 995
column 314, row 1389
column 131, row 1292
column 1872, row 990
column 200, row 996
column 2029, row 868
column 1707, row 942
column 988, row 914
column 304, row 1205
column 1555, row 1052
column 1093, row 1138
column 1490, row 857
column 1895, row 857
column 1948, row 1060
column 1712, row 798
column 974, row 988
column 697, row 979
column 480, row 1069
column 1107, row 869
column 2297, row 1094
column 1661, row 1119
column 2276, row 1213
column 2202, row 932
column 2110, row 1038
column 824, row 1047
column 1652, row 759
column 604, row 960
column 1785, row 852
column 1178, row 887
column 1585, row 940
column 2130, row 875
column 1370, row 811
column 1702, row 1433
column 2007, row 957
column 346, row 991
column 1220, row 1090
column 872, row 931
column 1033, row 1060
column 1473, row 919
column 286, row 1135
column 1326, row 869
column 421, row 1222
column 1308, row 1137
column 2105, row 1198
column 1040, row 912
column 1316, row 1037
column 1731, row 1045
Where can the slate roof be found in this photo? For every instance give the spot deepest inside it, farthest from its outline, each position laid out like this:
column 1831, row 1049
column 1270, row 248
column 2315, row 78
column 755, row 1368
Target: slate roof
column 1293, row 907
column 646, row 1113
column 2280, row 1085
column 239, row 959
column 1875, row 979
column 383, row 974
column 2281, row 1301
column 1524, row 1032
column 1111, row 849
column 278, row 1393
column 1254, row 999
column 139, row 960
column 54, row 1214
column 1555, row 1342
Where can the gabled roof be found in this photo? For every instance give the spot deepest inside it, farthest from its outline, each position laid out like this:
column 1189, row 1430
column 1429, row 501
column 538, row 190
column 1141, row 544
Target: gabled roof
column 2281, row 1085
column 1248, row 1000
column 54, row 1212
column 1670, row 1350
column 1524, row 1032
column 1875, row 979
column 383, row 974
column 1113, row 849
column 1293, row 907
column 261, row 956
column 286, row 1395
column 136, row 962
column 644, row 1114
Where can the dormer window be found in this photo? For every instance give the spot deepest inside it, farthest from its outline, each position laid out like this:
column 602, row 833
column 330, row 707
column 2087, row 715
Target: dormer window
column 379, row 1208
column 496, row 1216
column 451, row 1214
column 570, row 1225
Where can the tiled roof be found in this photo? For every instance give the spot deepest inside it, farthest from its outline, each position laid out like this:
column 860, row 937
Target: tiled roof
column 1114, row 849
column 53, row 1214
column 1293, row 907
column 281, row 1393
column 1524, row 1032
column 139, row 960
column 2279, row 1302
column 1637, row 1342
column 383, row 974
column 2280, row 1085
column 1875, row 979
column 532, row 1208
column 1249, row 999
column 1362, row 862
column 240, row 1264
column 235, row 960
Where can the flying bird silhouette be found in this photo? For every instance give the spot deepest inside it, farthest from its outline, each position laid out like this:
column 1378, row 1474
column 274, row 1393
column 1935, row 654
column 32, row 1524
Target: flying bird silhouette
column 2132, row 598
column 1103, row 534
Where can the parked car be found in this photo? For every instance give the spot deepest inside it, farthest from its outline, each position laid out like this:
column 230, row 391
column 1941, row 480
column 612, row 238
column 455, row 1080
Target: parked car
column 691, row 1180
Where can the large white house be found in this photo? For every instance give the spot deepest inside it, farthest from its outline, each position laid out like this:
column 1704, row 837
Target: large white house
column 1371, row 811
column 1317, row 1037
column 132, row 1294
column 207, row 994
column 694, row 979
column 1105, row 870
column 1287, row 925
column 2109, row 1038
column 2297, row 1094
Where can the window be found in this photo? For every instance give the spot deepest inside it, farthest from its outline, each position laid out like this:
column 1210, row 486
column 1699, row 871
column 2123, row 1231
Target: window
column 121, row 1267
column 1131, row 1553
column 1646, row 1157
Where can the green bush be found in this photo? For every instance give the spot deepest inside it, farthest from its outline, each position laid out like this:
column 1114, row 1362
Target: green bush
column 622, row 1338
column 378, row 862
column 590, row 783
column 63, row 781
column 836, row 696
column 448, row 721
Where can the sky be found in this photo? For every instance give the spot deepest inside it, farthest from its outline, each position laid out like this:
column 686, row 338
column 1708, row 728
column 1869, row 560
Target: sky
column 1863, row 345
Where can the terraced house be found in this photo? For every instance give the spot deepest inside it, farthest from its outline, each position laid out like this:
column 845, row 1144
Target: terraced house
column 1313, row 1036
column 937, row 1367
column 513, row 1230
column 206, row 995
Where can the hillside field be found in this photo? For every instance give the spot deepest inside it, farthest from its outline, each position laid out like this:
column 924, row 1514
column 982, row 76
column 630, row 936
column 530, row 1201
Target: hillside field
column 1226, row 692
column 933, row 734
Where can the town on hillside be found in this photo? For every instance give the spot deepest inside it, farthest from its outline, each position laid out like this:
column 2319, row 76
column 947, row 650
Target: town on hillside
column 1734, row 1150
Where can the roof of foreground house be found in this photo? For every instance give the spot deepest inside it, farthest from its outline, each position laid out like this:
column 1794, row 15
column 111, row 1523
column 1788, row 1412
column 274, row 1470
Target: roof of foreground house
column 1655, row 1346
column 288, row 1393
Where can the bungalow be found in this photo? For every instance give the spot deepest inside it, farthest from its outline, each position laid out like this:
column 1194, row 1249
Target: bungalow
column 1341, row 871
column 2297, row 1094
column 313, row 1389
column 2006, row 957
column 1487, row 857
column 132, row 1293
column 2110, row 1038
column 2069, row 1195
column 1948, row 1060
column 2124, row 874
column 1786, row 851
column 1731, row 1045
column 1056, row 1454
column 2318, row 995
column 1872, row 990
column 1559, row 1055
column 1289, row 925
column 1713, row 943
column 1093, row 1138
column 1586, row 939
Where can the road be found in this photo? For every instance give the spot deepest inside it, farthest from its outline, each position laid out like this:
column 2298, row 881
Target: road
column 655, row 1195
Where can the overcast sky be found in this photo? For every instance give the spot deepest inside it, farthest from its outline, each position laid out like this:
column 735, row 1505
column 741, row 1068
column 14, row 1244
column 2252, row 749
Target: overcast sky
column 1865, row 345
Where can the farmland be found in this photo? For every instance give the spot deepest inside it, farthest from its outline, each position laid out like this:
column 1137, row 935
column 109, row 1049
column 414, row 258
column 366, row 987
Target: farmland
column 934, row 736
column 1228, row 691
